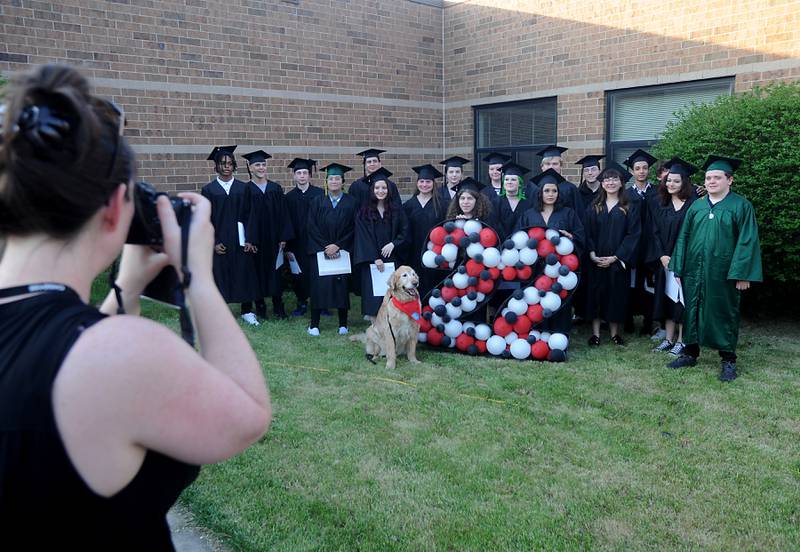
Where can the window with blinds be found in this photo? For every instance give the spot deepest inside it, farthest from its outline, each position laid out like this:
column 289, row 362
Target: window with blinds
column 636, row 118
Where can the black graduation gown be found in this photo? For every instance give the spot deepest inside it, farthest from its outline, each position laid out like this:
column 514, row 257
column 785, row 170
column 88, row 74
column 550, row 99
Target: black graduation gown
column 359, row 190
column 327, row 225
column 421, row 221
column 370, row 237
column 267, row 226
column 234, row 272
column 663, row 225
column 506, row 218
column 567, row 194
column 640, row 300
column 492, row 195
column 613, row 233
column 587, row 196
column 297, row 206
column 444, row 196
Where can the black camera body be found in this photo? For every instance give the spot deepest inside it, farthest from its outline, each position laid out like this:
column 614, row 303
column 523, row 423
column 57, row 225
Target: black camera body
column 145, row 227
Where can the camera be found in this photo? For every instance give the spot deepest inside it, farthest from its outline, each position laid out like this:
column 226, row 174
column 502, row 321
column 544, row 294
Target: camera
column 145, row 227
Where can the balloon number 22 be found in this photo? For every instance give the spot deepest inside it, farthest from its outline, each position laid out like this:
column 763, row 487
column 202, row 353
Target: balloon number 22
column 543, row 261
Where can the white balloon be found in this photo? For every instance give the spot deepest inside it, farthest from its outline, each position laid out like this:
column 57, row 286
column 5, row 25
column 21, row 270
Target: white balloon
column 544, row 336
column 472, row 226
column 528, row 256
column 436, row 320
column 518, row 306
column 536, row 333
column 496, row 345
column 565, row 247
column 531, row 295
column 435, row 301
column 481, row 297
column 504, row 311
column 474, row 249
column 468, row 325
column 430, row 245
column 510, row 257
column 551, row 301
column 460, row 223
column 551, row 233
column 422, row 337
column 453, row 329
column 450, row 251
column 491, row 257
column 460, row 281
column 552, row 270
column 429, row 259
column 520, row 349
column 452, row 343
column 558, row 341
column 483, row 332
column 468, row 305
column 452, row 310
column 569, row 281
column 511, row 337
column 501, row 265
column 520, row 238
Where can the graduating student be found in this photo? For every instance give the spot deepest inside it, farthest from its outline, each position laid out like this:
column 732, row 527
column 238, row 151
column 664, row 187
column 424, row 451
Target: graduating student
column 548, row 212
column 234, row 268
column 268, row 229
column 640, row 193
column 381, row 234
column 552, row 159
column 590, row 185
column 298, row 202
column 331, row 229
column 424, row 210
column 664, row 218
column 512, row 203
column 359, row 189
column 453, row 173
column 716, row 256
column 495, row 162
column 612, row 227
column 469, row 203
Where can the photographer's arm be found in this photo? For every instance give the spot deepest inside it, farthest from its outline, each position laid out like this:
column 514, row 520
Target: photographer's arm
column 138, row 266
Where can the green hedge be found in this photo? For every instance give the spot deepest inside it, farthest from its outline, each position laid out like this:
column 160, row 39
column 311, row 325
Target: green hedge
column 761, row 127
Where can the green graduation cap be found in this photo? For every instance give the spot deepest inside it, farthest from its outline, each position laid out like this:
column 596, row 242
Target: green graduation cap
column 335, row 169
column 720, row 163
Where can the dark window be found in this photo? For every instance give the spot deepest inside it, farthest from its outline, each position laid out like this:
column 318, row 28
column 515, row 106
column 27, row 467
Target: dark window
column 518, row 129
column 636, row 117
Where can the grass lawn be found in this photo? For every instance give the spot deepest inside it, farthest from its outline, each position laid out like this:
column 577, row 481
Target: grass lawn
column 608, row 451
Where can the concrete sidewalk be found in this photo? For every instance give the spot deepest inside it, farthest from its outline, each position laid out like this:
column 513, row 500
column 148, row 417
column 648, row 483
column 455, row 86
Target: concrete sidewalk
column 187, row 536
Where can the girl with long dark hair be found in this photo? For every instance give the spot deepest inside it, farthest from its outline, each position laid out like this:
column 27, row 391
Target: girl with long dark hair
column 423, row 211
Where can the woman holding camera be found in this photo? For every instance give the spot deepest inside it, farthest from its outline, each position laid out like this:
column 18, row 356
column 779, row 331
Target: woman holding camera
column 105, row 418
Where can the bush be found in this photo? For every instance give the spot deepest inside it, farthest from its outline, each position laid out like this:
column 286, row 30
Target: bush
column 762, row 128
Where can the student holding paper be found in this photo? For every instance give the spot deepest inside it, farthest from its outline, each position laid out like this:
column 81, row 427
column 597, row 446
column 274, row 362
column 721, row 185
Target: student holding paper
column 664, row 218
column 381, row 234
column 331, row 230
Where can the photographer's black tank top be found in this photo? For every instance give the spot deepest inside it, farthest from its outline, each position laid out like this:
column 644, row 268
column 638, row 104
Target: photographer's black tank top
column 44, row 503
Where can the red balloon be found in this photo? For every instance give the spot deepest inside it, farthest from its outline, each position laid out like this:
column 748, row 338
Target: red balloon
column 457, row 234
column 424, row 325
column 471, row 288
column 437, row 235
column 570, row 261
column 509, row 273
column 463, row 342
column 488, row 237
column 474, row 268
column 434, row 337
column 427, row 308
column 545, row 248
column 543, row 283
column 537, row 233
column 524, row 273
column 522, row 325
column 481, row 345
column 461, row 292
column 535, row 313
column 485, row 286
column 563, row 293
column 437, row 249
column 494, row 273
column 540, row 350
column 448, row 293
column 501, row 327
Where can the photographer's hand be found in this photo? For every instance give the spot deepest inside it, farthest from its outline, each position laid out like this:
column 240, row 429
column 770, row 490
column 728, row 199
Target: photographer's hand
column 201, row 236
column 137, row 268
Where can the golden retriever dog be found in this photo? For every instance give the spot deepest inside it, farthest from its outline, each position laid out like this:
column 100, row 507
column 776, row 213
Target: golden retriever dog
column 394, row 331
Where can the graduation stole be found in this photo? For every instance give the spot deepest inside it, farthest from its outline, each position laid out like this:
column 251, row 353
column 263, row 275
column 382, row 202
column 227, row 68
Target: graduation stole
column 412, row 308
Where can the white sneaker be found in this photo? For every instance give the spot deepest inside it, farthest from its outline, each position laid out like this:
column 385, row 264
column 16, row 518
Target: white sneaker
column 250, row 318
column 660, row 335
column 677, row 349
column 313, row 331
column 664, row 346
column 343, row 330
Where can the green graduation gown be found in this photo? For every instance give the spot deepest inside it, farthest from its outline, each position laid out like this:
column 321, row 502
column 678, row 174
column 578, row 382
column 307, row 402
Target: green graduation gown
column 716, row 247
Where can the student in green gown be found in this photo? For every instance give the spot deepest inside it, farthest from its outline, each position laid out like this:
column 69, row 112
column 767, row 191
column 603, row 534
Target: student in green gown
column 716, row 257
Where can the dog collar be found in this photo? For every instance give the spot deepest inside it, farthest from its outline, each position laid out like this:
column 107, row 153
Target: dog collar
column 412, row 308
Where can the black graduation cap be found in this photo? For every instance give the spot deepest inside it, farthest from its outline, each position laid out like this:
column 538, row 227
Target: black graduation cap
column 380, row 174
column 299, row 163
column 551, row 151
column 454, row 161
column 469, row 183
column 590, row 160
column 639, row 155
column 427, row 172
column 720, row 163
column 677, row 165
column 622, row 170
column 515, row 169
column 335, row 169
column 550, row 176
column 496, row 158
column 258, row 156
column 219, row 151
column 371, row 152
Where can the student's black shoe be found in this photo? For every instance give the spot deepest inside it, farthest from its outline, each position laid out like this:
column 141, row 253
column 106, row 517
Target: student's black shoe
column 279, row 312
column 727, row 371
column 262, row 314
column 682, row 362
column 300, row 310
column 617, row 340
column 594, row 341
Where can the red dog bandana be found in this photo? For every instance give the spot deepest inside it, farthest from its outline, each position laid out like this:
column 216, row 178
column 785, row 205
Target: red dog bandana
column 411, row 307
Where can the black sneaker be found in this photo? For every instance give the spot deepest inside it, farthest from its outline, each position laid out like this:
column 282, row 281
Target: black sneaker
column 594, row 341
column 279, row 313
column 727, row 371
column 682, row 362
column 617, row 340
